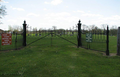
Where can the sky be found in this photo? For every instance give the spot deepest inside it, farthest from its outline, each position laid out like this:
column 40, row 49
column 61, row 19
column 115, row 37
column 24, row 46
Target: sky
column 60, row 13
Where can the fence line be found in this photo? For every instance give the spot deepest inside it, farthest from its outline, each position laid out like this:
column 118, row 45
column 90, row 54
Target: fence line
column 95, row 39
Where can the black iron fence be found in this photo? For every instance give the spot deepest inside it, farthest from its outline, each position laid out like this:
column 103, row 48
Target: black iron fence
column 94, row 39
column 16, row 41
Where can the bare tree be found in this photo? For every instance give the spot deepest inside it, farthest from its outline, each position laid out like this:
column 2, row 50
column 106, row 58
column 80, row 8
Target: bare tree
column 73, row 28
column 54, row 27
column 96, row 28
column 15, row 28
column 10, row 28
column 40, row 29
column 92, row 27
column 113, row 30
column 20, row 28
column 84, row 26
column 34, row 30
column 104, row 26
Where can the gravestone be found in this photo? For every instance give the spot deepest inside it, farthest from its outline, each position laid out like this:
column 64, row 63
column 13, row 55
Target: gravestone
column 39, row 34
column 60, row 34
column 35, row 34
column 118, row 41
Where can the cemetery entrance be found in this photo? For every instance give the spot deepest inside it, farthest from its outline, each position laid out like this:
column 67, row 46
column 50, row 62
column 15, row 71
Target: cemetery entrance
column 51, row 37
column 95, row 39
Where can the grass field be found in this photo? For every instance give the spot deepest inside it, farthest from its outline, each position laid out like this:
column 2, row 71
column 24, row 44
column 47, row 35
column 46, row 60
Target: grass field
column 113, row 44
column 59, row 59
column 95, row 45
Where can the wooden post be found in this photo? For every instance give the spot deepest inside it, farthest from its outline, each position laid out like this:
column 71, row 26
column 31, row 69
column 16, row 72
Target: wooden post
column 118, row 41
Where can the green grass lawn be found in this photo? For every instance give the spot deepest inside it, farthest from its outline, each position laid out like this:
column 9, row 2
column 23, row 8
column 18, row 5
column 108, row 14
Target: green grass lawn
column 59, row 59
column 113, row 44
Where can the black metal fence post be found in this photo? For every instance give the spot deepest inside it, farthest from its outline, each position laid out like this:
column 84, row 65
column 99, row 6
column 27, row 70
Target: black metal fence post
column 79, row 34
column 107, row 50
column 16, row 41
column 118, row 41
column 51, row 32
column 24, row 33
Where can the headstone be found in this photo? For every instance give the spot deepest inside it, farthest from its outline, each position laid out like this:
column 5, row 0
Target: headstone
column 118, row 41
column 60, row 34
column 39, row 34
column 72, row 33
column 35, row 34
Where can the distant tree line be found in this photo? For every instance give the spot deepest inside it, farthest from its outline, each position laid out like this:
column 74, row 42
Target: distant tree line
column 85, row 28
column 95, row 29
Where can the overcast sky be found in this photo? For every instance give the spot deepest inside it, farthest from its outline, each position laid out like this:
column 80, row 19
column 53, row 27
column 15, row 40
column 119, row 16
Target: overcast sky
column 60, row 13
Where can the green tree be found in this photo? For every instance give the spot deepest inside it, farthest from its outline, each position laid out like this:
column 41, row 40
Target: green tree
column 2, row 11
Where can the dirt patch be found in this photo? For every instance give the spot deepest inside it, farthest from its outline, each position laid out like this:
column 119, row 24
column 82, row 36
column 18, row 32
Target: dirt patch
column 72, row 67
column 74, row 54
column 73, row 46
column 111, row 54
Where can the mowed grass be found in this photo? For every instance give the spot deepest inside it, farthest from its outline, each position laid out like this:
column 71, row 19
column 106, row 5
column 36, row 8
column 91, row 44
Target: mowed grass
column 96, row 44
column 57, row 59
column 113, row 44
